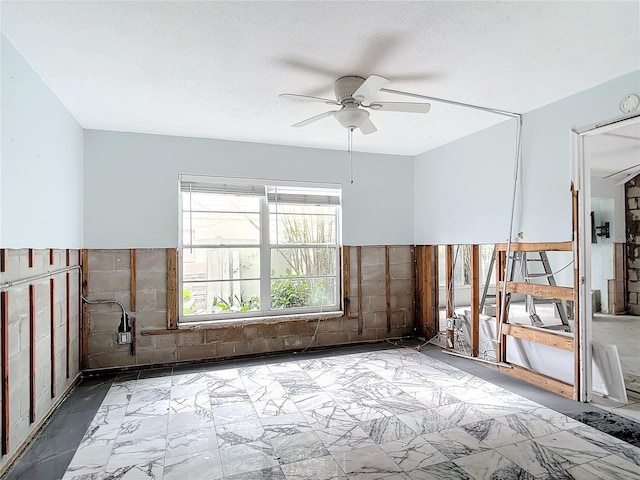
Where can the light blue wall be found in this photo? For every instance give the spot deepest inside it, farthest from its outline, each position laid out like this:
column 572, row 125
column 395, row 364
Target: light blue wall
column 131, row 197
column 41, row 162
column 463, row 189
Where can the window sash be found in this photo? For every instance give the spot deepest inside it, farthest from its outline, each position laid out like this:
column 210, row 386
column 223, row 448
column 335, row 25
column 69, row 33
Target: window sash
column 289, row 195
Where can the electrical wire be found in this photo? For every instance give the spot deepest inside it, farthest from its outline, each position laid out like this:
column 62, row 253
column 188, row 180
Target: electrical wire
column 546, row 275
column 99, row 302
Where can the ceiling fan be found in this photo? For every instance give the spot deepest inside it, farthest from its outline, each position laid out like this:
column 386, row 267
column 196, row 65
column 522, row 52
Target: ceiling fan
column 354, row 94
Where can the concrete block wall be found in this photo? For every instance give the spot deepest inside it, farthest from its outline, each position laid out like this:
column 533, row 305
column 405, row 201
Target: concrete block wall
column 109, row 278
column 17, row 268
column 632, row 221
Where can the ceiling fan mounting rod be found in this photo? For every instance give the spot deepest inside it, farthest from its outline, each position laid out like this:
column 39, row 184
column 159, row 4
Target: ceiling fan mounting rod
column 452, row 102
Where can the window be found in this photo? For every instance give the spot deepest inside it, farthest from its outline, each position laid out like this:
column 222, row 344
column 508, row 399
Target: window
column 253, row 249
column 462, row 264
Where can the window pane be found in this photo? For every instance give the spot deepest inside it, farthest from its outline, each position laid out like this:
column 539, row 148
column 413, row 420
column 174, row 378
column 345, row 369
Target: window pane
column 219, row 203
column 295, row 293
column 221, row 228
column 220, row 263
column 302, row 225
column 309, row 261
column 220, row 297
column 486, row 253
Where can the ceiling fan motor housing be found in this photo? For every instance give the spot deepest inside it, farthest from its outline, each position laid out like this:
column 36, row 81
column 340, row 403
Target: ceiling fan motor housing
column 345, row 86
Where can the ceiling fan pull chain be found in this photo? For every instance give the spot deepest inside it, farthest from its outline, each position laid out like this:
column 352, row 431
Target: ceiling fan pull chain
column 350, row 148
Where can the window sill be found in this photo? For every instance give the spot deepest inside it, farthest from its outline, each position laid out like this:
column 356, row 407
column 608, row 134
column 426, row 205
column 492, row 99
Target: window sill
column 241, row 322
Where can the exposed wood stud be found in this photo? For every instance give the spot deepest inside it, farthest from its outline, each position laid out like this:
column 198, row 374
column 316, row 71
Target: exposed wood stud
column 427, row 289
column 546, row 337
column 412, row 249
column 4, row 345
column 68, row 315
column 133, row 336
column 52, row 324
column 84, row 317
column 475, row 300
column 360, row 316
column 31, row 260
column 3, row 259
column 132, row 257
column 172, row 288
column 540, row 380
column 537, row 290
column 52, row 256
column 387, row 277
column 32, row 353
column 536, row 247
column 419, row 291
column 346, row 280
column 501, row 315
column 450, row 282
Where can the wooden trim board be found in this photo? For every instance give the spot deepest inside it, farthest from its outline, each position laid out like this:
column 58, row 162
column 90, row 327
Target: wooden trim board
column 536, row 247
column 540, row 380
column 172, row 288
column 537, row 290
column 387, row 280
column 537, row 335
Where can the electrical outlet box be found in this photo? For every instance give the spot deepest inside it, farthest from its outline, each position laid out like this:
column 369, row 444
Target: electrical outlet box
column 124, row 337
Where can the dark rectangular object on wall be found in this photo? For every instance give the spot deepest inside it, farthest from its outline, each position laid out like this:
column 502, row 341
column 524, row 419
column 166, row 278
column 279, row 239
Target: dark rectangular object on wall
column 32, row 353
column 3, row 259
column 31, row 257
column 4, row 345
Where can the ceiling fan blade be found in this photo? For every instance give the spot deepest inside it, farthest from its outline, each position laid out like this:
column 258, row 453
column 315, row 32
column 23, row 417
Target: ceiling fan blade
column 303, row 123
column 368, row 127
column 328, row 101
column 625, row 179
column 409, row 107
column 369, row 87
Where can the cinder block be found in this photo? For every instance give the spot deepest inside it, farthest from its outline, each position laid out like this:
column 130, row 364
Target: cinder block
column 194, row 338
column 116, row 281
column 401, row 271
column 146, row 300
column 372, row 273
column 372, row 256
column 151, row 260
column 100, row 260
column 150, row 319
column 151, row 280
column 197, row 352
column 400, row 254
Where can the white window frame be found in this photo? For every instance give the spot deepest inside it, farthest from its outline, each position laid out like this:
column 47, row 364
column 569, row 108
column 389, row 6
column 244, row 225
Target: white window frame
column 266, row 247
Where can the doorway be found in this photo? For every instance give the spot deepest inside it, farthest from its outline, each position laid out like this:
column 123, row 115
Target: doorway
column 607, row 170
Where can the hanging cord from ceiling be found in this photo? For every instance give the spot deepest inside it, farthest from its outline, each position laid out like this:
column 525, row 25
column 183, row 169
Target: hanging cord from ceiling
column 350, row 149
column 516, row 177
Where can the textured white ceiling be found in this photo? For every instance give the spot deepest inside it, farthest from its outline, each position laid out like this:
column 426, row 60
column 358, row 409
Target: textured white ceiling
column 215, row 69
column 611, row 152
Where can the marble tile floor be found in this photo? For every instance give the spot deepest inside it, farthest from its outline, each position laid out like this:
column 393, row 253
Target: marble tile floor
column 374, row 412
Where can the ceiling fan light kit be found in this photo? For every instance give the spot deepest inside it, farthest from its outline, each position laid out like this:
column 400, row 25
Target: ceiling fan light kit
column 354, row 94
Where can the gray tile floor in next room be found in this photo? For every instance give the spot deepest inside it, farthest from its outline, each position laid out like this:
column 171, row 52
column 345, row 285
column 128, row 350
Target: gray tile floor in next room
column 380, row 412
